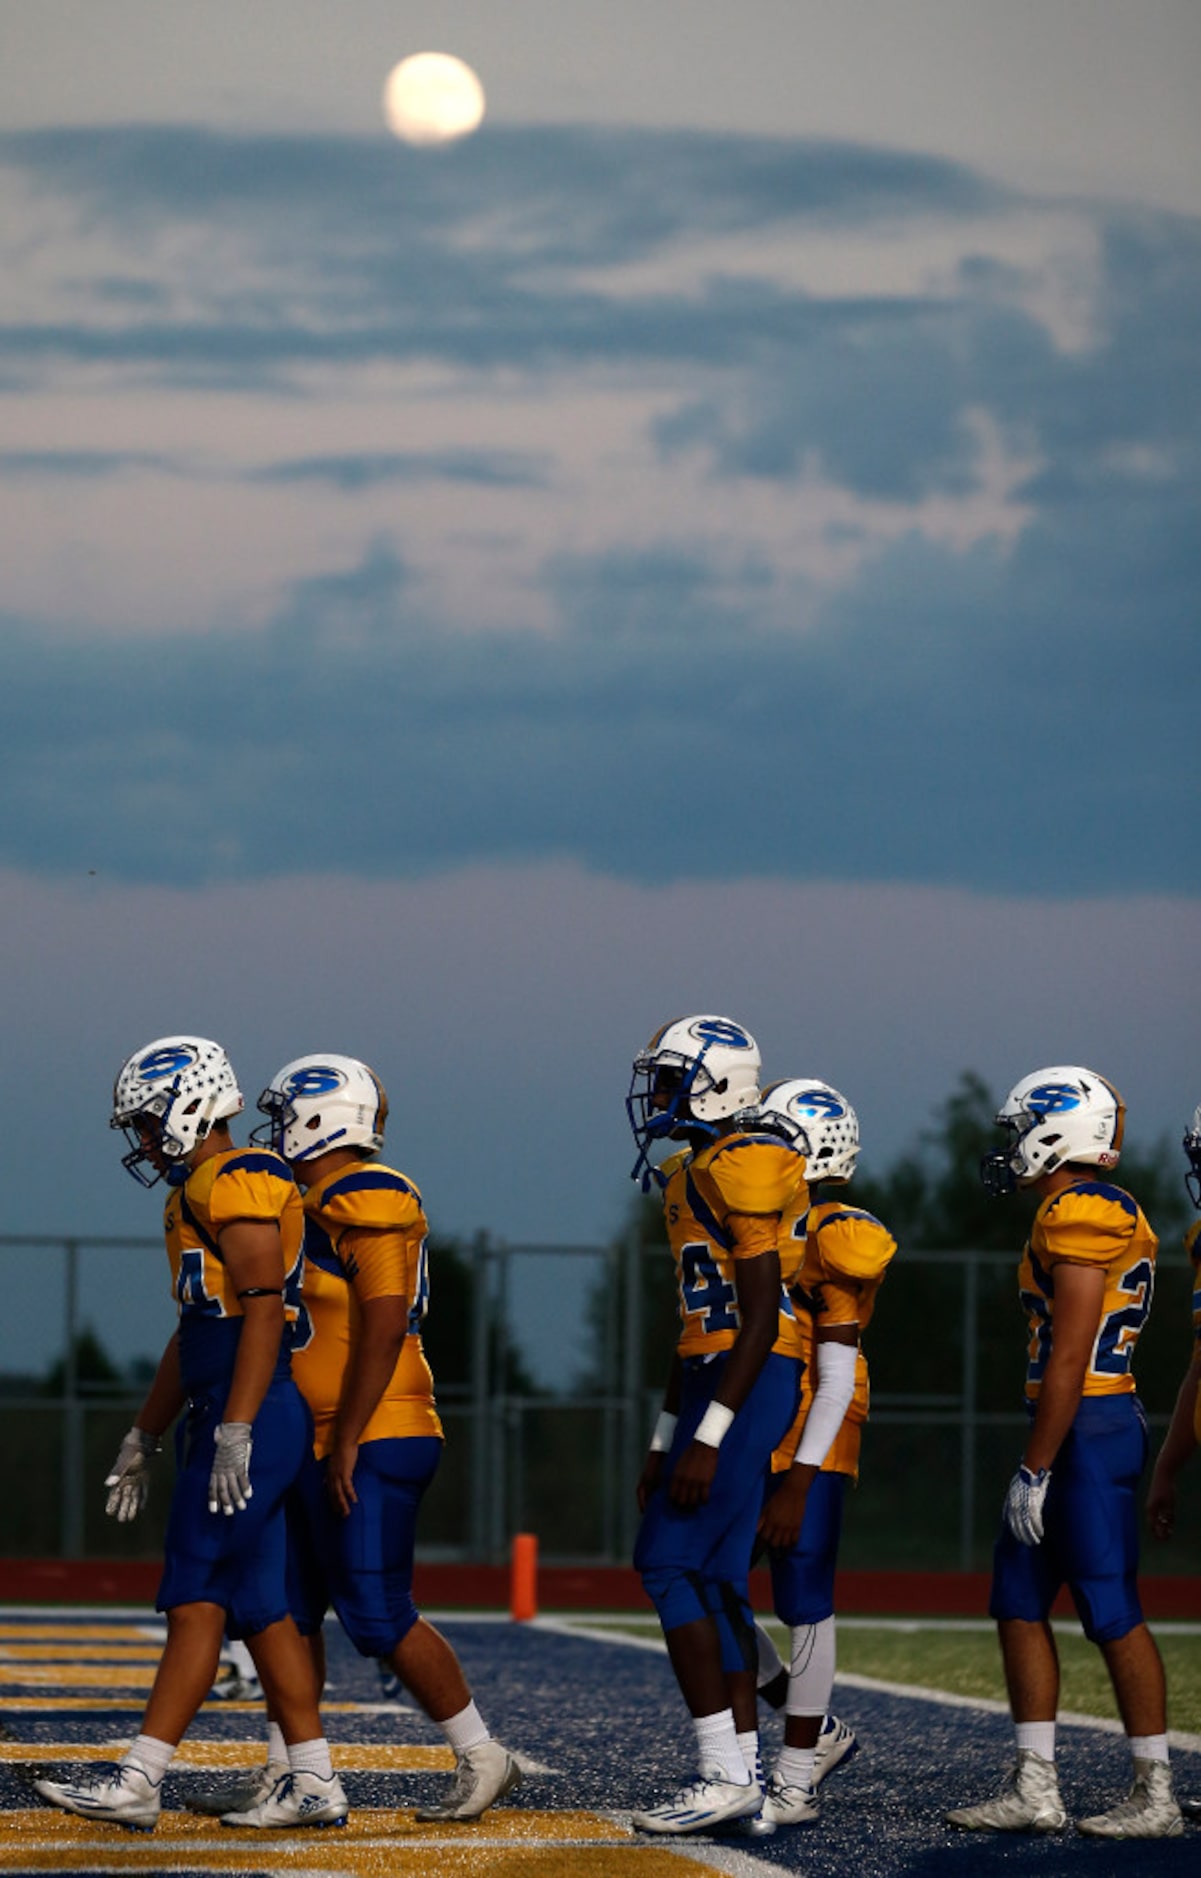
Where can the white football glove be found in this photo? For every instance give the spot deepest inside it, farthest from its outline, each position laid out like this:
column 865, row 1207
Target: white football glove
column 229, row 1482
column 1024, row 1504
column 128, row 1479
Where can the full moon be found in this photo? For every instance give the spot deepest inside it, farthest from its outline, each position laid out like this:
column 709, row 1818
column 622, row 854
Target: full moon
column 433, row 97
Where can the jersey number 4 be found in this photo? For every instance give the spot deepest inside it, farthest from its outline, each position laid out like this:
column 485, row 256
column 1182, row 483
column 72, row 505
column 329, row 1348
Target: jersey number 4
column 704, row 1290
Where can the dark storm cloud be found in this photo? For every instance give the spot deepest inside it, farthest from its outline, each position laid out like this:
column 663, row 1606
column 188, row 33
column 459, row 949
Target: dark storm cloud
column 379, row 252
column 491, row 469
column 347, row 471
column 954, row 718
column 1017, row 719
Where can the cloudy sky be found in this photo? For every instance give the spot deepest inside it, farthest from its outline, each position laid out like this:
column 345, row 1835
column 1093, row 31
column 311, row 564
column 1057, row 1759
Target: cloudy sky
column 723, row 537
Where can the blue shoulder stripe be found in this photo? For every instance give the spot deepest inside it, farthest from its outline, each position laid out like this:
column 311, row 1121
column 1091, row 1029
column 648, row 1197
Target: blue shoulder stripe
column 847, row 1212
column 705, row 1216
column 369, row 1180
column 1102, row 1190
column 257, row 1161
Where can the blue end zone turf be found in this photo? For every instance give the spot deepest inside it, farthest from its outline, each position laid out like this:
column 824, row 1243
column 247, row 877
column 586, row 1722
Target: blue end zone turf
column 607, row 1721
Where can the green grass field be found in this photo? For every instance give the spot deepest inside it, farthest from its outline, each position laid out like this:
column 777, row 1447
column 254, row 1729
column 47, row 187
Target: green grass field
column 933, row 1655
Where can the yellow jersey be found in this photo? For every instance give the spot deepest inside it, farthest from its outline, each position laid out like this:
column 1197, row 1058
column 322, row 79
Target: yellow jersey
column 1089, row 1223
column 756, row 1176
column 1192, row 1245
column 365, row 1237
column 833, row 1260
column 241, row 1183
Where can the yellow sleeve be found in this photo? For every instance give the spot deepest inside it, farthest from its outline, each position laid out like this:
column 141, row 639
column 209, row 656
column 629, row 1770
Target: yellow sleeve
column 1086, row 1225
column 380, row 1264
column 754, row 1174
column 253, row 1185
column 753, row 1233
column 851, row 1244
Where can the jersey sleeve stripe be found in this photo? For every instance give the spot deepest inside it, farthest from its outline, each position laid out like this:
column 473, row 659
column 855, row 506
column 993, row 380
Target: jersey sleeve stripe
column 368, row 1180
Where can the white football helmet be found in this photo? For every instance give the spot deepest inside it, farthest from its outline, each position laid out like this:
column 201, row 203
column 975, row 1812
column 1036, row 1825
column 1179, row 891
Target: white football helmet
column 320, row 1102
column 694, row 1073
column 166, row 1098
column 818, row 1121
column 1055, row 1117
column 1192, row 1147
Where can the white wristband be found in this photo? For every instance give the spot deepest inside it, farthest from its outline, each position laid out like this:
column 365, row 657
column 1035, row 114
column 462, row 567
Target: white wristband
column 715, row 1425
column 665, row 1428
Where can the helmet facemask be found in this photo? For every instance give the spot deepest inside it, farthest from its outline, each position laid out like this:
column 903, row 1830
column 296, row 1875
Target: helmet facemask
column 319, row 1103
column 1192, row 1147
column 695, row 1074
column 1060, row 1117
column 167, row 1100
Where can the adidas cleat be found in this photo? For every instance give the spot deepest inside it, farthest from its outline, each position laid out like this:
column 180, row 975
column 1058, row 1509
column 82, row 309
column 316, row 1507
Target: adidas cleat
column 791, row 1806
column 709, row 1802
column 125, row 1797
column 835, row 1744
column 484, row 1774
column 239, row 1795
column 296, row 1799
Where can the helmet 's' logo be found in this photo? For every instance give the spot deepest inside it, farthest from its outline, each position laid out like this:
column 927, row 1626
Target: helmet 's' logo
column 317, row 1081
column 818, row 1103
column 1053, row 1098
column 717, row 1030
column 160, row 1064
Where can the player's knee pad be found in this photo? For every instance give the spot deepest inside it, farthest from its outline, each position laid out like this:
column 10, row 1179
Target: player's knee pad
column 678, row 1597
column 377, row 1617
column 731, row 1607
column 1109, row 1609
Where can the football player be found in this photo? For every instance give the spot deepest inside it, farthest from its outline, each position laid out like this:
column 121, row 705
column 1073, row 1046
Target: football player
column 362, row 1369
column 834, row 1257
column 1184, row 1434
column 730, row 1397
column 1085, row 1279
column 233, row 1223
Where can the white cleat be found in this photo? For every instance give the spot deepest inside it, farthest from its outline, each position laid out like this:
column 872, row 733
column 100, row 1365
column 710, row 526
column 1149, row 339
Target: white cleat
column 791, row 1806
column 233, row 1686
column 710, row 1801
column 126, row 1797
column 485, row 1773
column 835, row 1744
column 1028, row 1801
column 1149, row 1810
column 246, row 1790
column 296, row 1799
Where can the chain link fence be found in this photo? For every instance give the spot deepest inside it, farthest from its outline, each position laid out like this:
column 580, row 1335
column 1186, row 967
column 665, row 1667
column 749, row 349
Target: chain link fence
column 559, row 1455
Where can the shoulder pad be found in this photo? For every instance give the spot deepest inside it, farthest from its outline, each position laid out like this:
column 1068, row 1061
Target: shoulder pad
column 374, row 1198
column 851, row 1242
column 755, row 1173
column 1192, row 1243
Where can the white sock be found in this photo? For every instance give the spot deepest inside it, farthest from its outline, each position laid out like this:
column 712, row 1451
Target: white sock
column 811, row 1670
column 770, row 1663
column 465, row 1730
column 153, row 1757
column 311, row 1757
column 794, row 1766
column 277, row 1747
column 1149, row 1747
column 748, row 1747
column 717, row 1746
column 1038, row 1736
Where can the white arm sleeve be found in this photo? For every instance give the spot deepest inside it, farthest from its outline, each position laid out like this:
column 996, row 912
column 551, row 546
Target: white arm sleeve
column 831, row 1400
